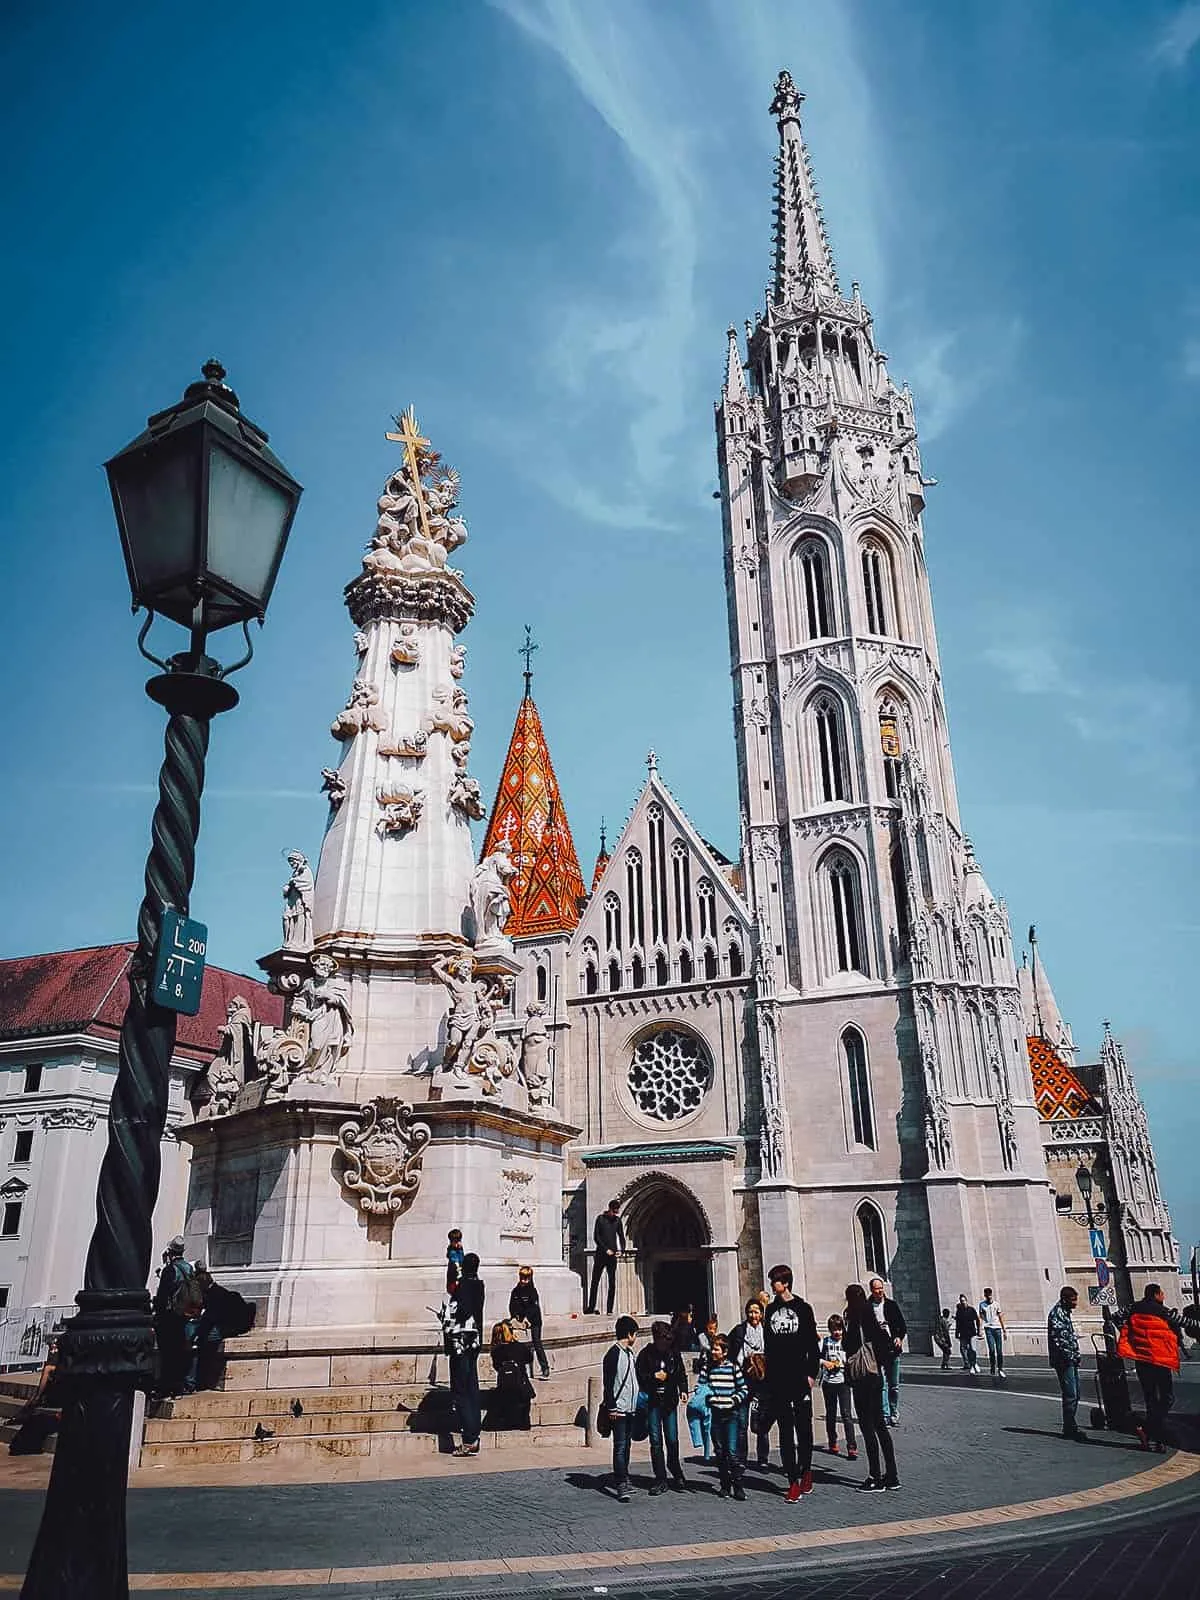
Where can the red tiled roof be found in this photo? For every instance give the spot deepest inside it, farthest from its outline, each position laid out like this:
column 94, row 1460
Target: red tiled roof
column 85, row 991
column 1057, row 1090
column 529, row 822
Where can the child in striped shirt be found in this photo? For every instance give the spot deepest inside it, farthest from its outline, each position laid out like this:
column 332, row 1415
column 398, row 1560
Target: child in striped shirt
column 726, row 1395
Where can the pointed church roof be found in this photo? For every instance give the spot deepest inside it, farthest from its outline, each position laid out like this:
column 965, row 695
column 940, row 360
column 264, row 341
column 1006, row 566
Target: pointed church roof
column 602, row 856
column 1043, row 1019
column 803, row 259
column 1058, row 1091
column 735, row 378
column 529, row 821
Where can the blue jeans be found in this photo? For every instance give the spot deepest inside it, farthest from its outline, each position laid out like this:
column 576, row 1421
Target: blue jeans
column 724, row 1427
column 995, row 1344
column 890, row 1372
column 621, row 1425
column 664, row 1430
column 700, row 1419
column 1068, row 1382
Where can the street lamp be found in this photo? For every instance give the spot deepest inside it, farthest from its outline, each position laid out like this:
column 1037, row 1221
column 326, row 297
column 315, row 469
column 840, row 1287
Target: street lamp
column 204, row 510
column 1083, row 1179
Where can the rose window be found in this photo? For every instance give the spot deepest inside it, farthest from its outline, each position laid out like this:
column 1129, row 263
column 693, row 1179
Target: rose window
column 669, row 1075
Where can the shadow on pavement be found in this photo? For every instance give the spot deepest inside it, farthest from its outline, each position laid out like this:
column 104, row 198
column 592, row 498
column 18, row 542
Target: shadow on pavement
column 1092, row 1438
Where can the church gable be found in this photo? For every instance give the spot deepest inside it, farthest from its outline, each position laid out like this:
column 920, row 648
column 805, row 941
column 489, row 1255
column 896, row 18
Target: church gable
column 663, row 913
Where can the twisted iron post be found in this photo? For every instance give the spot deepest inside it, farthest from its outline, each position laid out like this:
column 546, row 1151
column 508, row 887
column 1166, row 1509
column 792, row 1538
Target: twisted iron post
column 106, row 1352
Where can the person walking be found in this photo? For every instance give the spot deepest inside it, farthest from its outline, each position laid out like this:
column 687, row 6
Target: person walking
column 726, row 1394
column 1064, row 1358
column 966, row 1331
column 992, row 1318
column 793, row 1355
column 662, row 1377
column 747, row 1350
column 836, row 1390
column 939, row 1332
column 1152, row 1338
column 178, row 1304
column 620, row 1400
column 462, row 1325
column 525, row 1306
column 609, row 1237
column 889, row 1317
column 867, row 1347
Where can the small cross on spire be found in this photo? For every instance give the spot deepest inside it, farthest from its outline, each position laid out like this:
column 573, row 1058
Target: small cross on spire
column 651, row 761
column 603, row 837
column 527, row 650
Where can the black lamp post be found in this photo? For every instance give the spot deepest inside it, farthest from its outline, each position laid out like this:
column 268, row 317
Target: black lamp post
column 1083, row 1179
column 204, row 510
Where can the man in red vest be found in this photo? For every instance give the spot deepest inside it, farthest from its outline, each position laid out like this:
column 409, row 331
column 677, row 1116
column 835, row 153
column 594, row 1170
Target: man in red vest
column 1152, row 1336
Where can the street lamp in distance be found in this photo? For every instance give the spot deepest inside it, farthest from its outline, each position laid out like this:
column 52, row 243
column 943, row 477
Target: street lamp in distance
column 204, row 509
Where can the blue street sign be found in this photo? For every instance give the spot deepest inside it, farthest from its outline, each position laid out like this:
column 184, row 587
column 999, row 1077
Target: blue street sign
column 179, row 964
column 1098, row 1248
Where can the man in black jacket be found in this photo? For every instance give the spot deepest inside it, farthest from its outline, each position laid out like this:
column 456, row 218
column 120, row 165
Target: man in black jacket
column 609, row 1238
column 464, row 1339
column 793, row 1356
column 889, row 1316
column 524, row 1305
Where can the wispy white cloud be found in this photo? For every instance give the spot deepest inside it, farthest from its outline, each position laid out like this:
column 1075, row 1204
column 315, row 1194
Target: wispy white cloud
column 1147, row 720
column 951, row 370
column 1177, row 37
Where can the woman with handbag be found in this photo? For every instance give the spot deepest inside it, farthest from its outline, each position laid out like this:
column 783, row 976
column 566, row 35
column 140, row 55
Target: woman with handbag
column 867, row 1346
column 746, row 1350
column 512, row 1359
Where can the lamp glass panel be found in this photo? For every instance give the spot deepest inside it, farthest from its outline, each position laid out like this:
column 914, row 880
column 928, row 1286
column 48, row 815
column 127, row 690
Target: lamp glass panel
column 247, row 515
column 157, row 490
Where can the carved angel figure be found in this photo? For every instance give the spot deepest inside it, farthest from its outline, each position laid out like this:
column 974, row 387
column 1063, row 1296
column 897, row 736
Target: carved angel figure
column 490, row 898
column 323, row 1001
column 465, row 796
column 409, row 746
column 402, row 809
column 448, row 713
column 458, row 660
column 406, row 652
column 334, row 785
column 360, row 712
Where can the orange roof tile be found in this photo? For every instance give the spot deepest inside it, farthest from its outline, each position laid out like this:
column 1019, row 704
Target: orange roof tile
column 1057, row 1091
column 529, row 821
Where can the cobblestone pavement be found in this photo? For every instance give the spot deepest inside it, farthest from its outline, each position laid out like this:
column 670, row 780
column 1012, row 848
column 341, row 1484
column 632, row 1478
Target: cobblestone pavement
column 971, row 1463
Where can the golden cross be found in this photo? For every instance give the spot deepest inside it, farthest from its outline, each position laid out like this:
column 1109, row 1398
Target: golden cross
column 409, row 435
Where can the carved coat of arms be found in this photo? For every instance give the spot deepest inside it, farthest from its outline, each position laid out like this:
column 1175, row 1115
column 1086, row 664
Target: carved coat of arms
column 382, row 1151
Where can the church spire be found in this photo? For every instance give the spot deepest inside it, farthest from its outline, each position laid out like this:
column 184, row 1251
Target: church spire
column 529, row 823
column 735, row 378
column 803, row 260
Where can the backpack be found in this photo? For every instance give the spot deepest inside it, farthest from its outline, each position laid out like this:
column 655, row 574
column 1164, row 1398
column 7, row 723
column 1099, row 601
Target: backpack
column 187, row 1298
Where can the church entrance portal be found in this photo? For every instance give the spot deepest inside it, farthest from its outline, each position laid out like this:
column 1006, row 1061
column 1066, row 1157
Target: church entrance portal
column 667, row 1231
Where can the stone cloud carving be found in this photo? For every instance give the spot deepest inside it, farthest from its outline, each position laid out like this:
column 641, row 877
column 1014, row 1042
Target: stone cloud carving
column 406, row 652
column 359, row 713
column 381, row 1151
column 401, row 808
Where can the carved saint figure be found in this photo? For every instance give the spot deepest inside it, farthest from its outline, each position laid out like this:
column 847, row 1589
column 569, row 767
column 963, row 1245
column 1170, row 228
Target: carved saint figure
column 457, row 973
column 490, row 898
column 323, row 1001
column 298, row 903
column 535, row 1054
column 218, row 1086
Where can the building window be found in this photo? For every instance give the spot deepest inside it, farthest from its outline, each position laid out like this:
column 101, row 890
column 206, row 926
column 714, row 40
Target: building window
column 708, row 908
column 669, row 1075
column 859, row 1084
column 662, row 971
column 11, row 1225
column 614, row 976
column 832, row 778
column 633, row 881
column 874, row 1249
column 735, row 959
column 889, row 744
column 845, row 907
column 33, row 1080
column 591, row 978
column 811, row 604
column 541, row 982
column 685, row 967
column 878, row 589
column 638, row 978
column 4, row 1293
column 710, row 963
column 612, row 922
column 23, row 1148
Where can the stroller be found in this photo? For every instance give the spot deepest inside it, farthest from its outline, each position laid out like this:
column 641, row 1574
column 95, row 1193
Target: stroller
column 1113, row 1409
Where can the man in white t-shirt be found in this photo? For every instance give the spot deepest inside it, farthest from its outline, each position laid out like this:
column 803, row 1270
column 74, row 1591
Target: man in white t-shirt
column 994, row 1330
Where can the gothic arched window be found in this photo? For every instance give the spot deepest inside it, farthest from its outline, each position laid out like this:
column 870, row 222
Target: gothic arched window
column 874, row 1247
column 612, row 922
column 858, row 1084
column 614, row 976
column 591, row 978
column 708, row 909
column 879, row 590
column 542, row 982
column 711, row 967
column 633, row 884
column 889, row 744
column 681, row 869
column 685, row 967
column 809, row 595
column 831, row 766
column 662, row 970
column 844, row 898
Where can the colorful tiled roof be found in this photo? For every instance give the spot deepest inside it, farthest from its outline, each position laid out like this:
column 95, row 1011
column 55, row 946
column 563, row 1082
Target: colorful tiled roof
column 85, row 991
column 1057, row 1090
column 529, row 821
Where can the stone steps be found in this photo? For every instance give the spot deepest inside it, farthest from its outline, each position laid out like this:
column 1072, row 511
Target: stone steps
column 265, row 1403
column 309, row 1448
column 433, row 1416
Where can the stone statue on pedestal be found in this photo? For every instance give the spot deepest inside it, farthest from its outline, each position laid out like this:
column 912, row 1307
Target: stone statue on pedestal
column 218, row 1086
column 535, row 1054
column 490, row 900
column 323, row 1002
column 298, row 904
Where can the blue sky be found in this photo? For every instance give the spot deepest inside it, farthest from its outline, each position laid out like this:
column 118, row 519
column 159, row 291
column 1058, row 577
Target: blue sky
column 534, row 221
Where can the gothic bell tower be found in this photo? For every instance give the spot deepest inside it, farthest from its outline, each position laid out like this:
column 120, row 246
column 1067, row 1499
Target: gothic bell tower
column 889, row 1016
